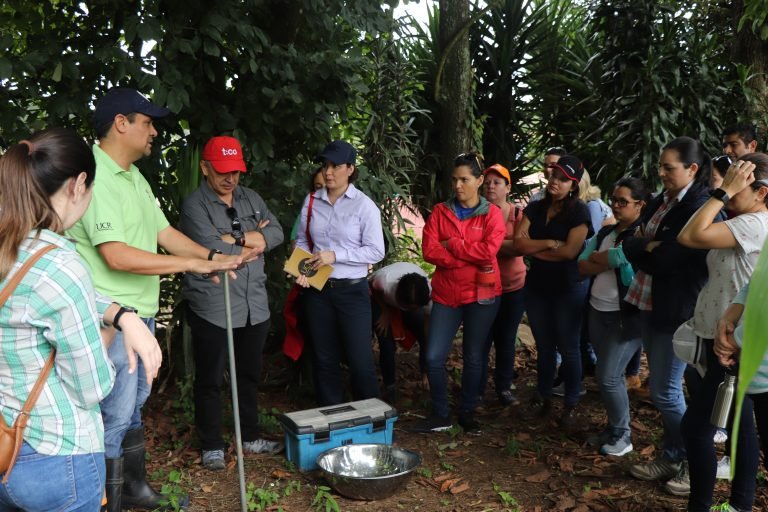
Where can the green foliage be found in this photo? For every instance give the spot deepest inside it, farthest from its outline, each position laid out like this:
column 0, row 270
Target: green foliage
column 756, row 12
column 324, row 500
column 408, row 248
column 172, row 490
column 642, row 73
column 512, row 448
column 258, row 498
column 506, row 498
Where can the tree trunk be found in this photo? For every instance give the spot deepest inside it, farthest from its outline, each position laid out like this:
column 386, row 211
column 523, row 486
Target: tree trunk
column 454, row 89
column 752, row 51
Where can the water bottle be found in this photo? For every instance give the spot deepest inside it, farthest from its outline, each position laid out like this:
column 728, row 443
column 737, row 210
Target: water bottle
column 486, row 285
column 724, row 399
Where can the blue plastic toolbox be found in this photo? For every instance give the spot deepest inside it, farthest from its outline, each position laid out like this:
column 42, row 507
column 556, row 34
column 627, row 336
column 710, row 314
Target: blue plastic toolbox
column 311, row 432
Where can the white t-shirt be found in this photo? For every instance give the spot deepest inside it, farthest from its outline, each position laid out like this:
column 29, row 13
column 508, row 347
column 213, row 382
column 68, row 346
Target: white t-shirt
column 605, row 289
column 386, row 278
column 729, row 270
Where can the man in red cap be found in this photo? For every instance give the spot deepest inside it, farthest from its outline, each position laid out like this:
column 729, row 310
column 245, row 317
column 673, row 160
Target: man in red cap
column 118, row 237
column 228, row 219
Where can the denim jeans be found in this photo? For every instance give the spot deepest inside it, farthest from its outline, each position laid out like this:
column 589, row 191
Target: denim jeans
column 443, row 325
column 211, row 361
column 613, row 354
column 339, row 320
column 121, row 409
column 555, row 319
column 503, row 336
column 697, row 433
column 665, row 379
column 44, row 483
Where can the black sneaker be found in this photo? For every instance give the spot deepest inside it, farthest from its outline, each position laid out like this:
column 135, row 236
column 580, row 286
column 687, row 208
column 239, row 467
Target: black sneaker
column 507, row 398
column 539, row 406
column 470, row 425
column 567, row 416
column 433, row 423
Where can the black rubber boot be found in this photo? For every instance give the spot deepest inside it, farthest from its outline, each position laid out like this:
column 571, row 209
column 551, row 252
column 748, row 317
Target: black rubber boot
column 114, row 485
column 137, row 492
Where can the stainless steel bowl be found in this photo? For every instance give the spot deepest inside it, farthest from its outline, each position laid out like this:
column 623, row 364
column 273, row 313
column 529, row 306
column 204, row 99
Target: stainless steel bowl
column 368, row 471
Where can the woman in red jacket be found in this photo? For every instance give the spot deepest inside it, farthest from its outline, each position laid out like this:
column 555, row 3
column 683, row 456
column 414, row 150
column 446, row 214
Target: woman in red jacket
column 461, row 237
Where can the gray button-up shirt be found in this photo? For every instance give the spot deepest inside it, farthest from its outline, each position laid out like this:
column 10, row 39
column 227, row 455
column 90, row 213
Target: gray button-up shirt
column 204, row 219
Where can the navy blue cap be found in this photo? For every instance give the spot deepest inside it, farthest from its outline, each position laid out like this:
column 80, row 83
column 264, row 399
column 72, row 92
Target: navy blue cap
column 123, row 100
column 339, row 152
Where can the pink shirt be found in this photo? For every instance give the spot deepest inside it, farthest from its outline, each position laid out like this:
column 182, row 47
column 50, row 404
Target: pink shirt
column 511, row 268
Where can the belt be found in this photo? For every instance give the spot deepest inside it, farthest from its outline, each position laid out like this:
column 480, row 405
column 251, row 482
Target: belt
column 341, row 283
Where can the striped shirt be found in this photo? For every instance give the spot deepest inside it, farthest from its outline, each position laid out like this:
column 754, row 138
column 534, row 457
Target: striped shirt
column 639, row 293
column 55, row 306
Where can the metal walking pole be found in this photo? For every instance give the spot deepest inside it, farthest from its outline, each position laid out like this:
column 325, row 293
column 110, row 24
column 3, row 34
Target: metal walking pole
column 235, row 405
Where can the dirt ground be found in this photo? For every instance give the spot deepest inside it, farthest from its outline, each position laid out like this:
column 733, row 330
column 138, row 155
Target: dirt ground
column 517, row 464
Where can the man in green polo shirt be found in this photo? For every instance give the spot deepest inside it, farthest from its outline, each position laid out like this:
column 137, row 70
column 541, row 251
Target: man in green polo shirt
column 118, row 237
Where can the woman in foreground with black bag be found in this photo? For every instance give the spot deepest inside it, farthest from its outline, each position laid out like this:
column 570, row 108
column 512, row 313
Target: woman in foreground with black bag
column 54, row 314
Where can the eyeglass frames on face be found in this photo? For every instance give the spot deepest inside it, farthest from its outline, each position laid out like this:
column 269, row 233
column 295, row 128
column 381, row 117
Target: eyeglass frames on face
column 232, row 214
column 620, row 202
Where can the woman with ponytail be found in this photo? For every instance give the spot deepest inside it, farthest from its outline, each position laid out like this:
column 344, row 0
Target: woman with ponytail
column 665, row 289
column 45, row 186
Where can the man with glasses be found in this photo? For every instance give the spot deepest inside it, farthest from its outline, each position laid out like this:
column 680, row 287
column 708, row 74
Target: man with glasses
column 229, row 219
column 118, row 236
column 551, row 156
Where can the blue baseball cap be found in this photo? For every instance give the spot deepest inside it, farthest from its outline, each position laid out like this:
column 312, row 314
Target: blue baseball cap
column 123, row 100
column 339, row 152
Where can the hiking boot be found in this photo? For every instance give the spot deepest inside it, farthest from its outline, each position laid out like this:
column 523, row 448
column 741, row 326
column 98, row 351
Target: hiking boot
column 214, row 460
column 567, row 417
column 263, row 446
column 506, row 398
column 724, row 468
column 618, row 446
column 634, row 382
column 433, row 423
column 470, row 425
column 540, row 406
column 681, row 484
column 659, row 469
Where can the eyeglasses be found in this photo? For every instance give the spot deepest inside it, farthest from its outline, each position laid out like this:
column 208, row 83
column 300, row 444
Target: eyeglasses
column 620, row 202
column 232, row 214
column 470, row 155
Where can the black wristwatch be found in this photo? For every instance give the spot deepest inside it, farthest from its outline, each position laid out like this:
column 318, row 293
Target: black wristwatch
column 120, row 312
column 720, row 194
column 239, row 237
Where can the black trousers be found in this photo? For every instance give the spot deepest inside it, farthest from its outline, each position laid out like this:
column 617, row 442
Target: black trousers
column 339, row 320
column 211, row 360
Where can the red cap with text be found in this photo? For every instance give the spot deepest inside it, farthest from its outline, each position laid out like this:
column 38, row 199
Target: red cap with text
column 225, row 154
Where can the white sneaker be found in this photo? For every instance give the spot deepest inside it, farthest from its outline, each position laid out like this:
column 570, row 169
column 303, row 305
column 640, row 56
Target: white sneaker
column 214, row 460
column 263, row 446
column 724, row 468
column 680, row 485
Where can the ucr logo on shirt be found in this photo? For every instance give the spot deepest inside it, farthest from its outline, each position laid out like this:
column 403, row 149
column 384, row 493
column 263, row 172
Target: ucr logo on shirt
column 229, row 151
column 103, row 226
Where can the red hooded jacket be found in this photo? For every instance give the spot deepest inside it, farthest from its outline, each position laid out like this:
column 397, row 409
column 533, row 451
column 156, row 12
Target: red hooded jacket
column 472, row 243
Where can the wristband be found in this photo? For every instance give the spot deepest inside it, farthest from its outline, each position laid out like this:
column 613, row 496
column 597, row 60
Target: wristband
column 212, row 253
column 120, row 312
